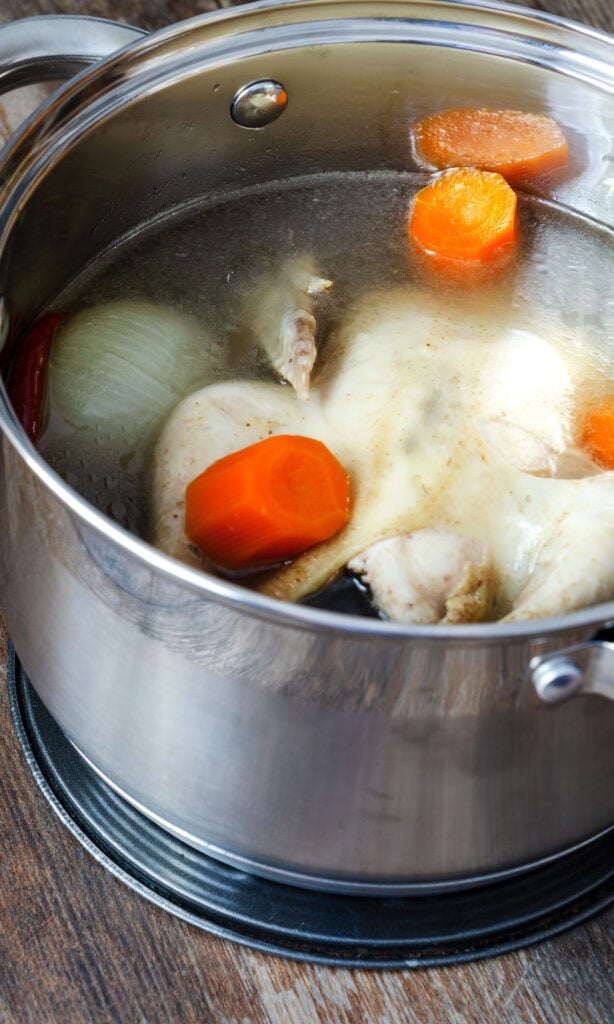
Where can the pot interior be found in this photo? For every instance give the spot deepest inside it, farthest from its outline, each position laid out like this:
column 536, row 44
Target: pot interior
column 152, row 141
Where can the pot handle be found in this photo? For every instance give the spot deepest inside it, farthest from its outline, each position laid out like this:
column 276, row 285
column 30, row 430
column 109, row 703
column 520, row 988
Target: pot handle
column 56, row 46
column 585, row 668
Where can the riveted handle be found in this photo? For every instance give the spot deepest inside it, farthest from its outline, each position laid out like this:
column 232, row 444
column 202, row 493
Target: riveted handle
column 43, row 48
column 585, row 668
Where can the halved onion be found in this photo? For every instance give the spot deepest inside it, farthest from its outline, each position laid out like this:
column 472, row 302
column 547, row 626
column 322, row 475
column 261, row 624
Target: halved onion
column 122, row 365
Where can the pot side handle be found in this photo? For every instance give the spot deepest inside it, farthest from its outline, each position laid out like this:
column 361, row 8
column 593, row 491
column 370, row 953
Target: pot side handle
column 54, row 46
column 583, row 669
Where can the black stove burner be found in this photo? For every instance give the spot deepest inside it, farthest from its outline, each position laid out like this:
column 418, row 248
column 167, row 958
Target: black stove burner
column 357, row 931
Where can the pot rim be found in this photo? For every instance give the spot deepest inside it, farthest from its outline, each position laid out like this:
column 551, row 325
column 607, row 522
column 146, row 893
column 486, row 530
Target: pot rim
column 199, row 581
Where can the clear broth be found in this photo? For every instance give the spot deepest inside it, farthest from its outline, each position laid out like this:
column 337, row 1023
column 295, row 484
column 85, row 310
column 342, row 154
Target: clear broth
column 203, row 258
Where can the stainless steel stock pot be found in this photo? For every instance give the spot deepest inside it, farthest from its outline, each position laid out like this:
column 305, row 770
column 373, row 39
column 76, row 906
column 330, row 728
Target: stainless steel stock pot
column 319, row 749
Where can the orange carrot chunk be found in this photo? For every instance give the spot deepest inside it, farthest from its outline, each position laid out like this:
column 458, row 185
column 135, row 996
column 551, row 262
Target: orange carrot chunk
column 520, row 146
column 465, row 215
column 268, row 502
column 598, row 434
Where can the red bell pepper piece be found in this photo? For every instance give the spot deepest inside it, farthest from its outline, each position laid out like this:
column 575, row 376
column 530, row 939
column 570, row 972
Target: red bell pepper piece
column 29, row 373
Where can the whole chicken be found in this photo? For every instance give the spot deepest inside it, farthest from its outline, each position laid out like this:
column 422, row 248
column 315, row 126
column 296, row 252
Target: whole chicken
column 455, row 420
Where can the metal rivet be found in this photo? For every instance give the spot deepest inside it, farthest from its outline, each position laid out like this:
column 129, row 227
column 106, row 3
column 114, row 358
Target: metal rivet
column 555, row 679
column 259, row 103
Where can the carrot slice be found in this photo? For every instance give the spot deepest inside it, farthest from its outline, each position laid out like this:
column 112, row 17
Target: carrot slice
column 520, row 146
column 598, row 434
column 465, row 216
column 268, row 502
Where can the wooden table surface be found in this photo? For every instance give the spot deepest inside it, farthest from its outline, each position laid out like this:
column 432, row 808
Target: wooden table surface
column 76, row 945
